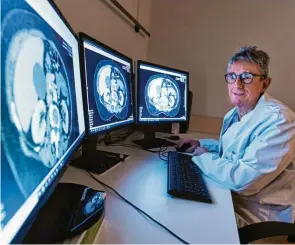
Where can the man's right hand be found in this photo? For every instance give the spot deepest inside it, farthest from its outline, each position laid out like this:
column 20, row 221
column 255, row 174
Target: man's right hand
column 194, row 144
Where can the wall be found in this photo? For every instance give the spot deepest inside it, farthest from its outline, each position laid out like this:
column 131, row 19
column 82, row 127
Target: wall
column 201, row 35
column 99, row 19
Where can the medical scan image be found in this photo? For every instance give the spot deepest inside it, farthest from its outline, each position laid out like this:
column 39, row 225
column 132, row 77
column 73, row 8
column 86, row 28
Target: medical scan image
column 162, row 96
column 40, row 105
column 110, row 91
column 36, row 97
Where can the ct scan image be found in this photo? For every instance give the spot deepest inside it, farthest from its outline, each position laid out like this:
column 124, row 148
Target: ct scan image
column 36, row 106
column 162, row 96
column 110, row 91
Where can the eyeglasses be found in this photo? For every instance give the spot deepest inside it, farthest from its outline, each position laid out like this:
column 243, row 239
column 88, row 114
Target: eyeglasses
column 245, row 77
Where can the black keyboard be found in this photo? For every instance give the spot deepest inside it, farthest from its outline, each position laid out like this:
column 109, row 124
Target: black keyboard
column 185, row 178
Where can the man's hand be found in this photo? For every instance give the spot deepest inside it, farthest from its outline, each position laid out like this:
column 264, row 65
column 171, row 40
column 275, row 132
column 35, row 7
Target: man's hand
column 199, row 151
column 194, row 144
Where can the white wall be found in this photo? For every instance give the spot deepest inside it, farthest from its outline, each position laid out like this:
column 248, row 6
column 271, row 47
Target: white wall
column 99, row 19
column 201, row 35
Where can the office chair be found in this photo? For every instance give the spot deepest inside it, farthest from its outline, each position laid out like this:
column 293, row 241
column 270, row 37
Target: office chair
column 250, row 233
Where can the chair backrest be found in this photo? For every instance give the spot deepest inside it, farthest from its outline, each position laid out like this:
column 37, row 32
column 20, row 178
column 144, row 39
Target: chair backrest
column 257, row 231
column 291, row 238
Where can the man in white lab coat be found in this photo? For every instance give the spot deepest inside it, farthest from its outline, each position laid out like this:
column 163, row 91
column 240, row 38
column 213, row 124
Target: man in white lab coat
column 255, row 154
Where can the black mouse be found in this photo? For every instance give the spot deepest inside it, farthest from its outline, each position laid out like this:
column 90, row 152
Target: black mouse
column 184, row 147
column 174, row 137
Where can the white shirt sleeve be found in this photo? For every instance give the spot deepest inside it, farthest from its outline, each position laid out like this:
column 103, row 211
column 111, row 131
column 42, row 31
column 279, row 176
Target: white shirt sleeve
column 212, row 145
column 263, row 160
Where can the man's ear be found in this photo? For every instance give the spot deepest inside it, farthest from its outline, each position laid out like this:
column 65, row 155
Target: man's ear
column 266, row 83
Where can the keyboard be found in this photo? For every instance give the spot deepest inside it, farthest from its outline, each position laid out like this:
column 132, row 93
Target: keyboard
column 185, row 178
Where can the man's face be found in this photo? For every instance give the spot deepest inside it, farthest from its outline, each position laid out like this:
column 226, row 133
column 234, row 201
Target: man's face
column 242, row 94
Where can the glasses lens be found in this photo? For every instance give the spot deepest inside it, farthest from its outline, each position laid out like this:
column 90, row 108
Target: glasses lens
column 231, row 77
column 247, row 77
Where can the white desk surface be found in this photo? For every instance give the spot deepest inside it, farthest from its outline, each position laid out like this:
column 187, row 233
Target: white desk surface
column 142, row 179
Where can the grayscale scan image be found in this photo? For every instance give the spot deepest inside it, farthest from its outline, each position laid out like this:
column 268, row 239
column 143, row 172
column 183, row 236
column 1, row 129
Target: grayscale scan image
column 41, row 114
column 162, row 95
column 110, row 91
column 36, row 102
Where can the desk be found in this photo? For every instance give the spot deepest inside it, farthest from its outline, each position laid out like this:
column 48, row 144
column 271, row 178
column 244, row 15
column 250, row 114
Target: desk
column 142, row 179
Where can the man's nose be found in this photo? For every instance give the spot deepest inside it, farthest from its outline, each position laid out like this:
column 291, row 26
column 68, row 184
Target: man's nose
column 239, row 83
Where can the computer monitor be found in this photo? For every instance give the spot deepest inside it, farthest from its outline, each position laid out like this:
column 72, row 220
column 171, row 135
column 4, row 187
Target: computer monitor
column 161, row 97
column 106, row 78
column 42, row 118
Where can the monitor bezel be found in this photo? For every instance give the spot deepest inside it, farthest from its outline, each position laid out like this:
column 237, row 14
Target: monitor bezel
column 21, row 233
column 83, row 36
column 137, row 80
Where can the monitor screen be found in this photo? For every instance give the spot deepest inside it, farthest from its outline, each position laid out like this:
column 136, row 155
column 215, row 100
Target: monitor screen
column 107, row 82
column 42, row 117
column 161, row 93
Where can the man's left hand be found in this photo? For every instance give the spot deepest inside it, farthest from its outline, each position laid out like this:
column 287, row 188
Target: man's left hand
column 199, row 151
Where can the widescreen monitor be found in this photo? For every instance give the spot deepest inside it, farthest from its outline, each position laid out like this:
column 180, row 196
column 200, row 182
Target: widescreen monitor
column 161, row 97
column 107, row 93
column 42, row 118
column 108, row 88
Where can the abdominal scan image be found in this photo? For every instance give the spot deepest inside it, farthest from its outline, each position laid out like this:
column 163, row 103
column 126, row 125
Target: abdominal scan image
column 36, row 102
column 162, row 96
column 110, row 91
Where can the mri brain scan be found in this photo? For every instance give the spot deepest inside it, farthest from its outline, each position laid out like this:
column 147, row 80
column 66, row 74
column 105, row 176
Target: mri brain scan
column 110, row 91
column 162, row 95
column 36, row 103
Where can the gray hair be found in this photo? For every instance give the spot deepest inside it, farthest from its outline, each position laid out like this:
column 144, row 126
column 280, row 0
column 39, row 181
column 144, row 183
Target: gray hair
column 251, row 54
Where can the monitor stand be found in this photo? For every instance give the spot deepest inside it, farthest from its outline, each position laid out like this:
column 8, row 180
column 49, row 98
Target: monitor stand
column 96, row 161
column 150, row 141
column 69, row 211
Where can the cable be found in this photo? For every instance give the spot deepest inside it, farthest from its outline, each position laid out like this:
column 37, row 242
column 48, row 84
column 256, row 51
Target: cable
column 111, row 141
column 161, row 151
column 118, row 135
column 138, row 209
column 134, row 146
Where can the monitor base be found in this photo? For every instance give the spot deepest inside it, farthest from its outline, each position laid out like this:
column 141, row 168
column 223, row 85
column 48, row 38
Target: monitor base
column 153, row 143
column 70, row 210
column 98, row 161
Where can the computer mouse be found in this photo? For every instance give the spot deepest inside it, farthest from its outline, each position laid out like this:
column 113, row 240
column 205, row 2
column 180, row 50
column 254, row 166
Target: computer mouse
column 184, row 147
column 173, row 137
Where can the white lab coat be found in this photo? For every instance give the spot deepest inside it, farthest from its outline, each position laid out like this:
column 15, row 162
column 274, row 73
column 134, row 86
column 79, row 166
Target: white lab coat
column 255, row 158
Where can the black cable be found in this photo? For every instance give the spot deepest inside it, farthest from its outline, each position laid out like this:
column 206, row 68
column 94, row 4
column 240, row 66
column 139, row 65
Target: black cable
column 121, row 135
column 162, row 153
column 165, row 155
column 112, row 140
column 162, row 150
column 118, row 135
column 138, row 209
column 134, row 146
